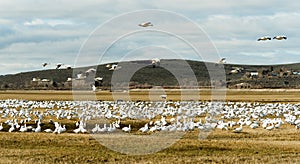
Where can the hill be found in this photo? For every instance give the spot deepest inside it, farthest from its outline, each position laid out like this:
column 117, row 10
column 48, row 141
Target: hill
column 169, row 74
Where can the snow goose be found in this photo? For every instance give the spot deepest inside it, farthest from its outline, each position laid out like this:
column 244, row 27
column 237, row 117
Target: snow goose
column 239, row 129
column 146, row 24
column 127, row 129
column 264, row 38
column 280, row 37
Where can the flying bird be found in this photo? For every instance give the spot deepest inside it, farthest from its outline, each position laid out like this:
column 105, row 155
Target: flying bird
column 264, row 38
column 222, row 61
column 58, row 65
column 280, row 37
column 45, row 64
column 115, row 67
column 146, row 24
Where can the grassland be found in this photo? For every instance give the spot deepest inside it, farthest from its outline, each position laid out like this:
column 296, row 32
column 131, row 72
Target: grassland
column 251, row 146
column 262, row 95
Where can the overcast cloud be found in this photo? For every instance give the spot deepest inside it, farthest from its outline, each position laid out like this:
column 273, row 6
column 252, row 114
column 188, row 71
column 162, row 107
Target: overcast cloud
column 33, row 32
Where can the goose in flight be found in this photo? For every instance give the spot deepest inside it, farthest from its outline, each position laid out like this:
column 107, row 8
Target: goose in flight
column 264, row 38
column 58, row 65
column 146, row 24
column 45, row 64
column 280, row 37
column 222, row 61
column 115, row 67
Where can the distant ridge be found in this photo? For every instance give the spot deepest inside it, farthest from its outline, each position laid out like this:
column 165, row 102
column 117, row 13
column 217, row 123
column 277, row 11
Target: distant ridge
column 237, row 76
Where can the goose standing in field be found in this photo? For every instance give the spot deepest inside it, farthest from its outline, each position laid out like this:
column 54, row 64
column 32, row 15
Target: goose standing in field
column 94, row 88
column 264, row 38
column 104, row 129
column 254, row 125
column 163, row 96
column 80, row 128
column 155, row 62
column 271, row 127
column 12, row 128
column 280, row 37
column 111, row 128
column 23, row 128
column 127, row 129
column 239, row 129
column 38, row 128
column 95, row 129
column 144, row 129
column 48, row 130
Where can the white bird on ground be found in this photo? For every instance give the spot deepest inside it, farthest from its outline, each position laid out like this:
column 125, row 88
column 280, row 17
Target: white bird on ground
column 271, row 127
column 94, row 88
column 48, row 130
column 155, row 62
column 144, row 129
column 163, row 96
column 146, row 24
column 23, row 128
column 104, row 129
column 127, row 129
column 1, row 126
column 95, row 129
column 80, row 129
column 254, row 125
column 239, row 129
column 38, row 128
column 12, row 128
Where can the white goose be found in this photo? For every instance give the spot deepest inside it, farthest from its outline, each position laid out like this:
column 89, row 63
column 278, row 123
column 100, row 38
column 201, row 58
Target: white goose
column 23, row 128
column 146, row 24
column 12, row 128
column 264, row 38
column 1, row 126
column 144, row 129
column 280, row 37
column 239, row 129
column 127, row 129
column 48, row 130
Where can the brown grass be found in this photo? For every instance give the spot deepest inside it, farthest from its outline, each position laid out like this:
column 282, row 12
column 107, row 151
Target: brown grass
column 265, row 95
column 251, row 146
column 219, row 147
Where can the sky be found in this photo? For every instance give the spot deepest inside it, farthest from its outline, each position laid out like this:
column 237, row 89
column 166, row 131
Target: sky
column 82, row 33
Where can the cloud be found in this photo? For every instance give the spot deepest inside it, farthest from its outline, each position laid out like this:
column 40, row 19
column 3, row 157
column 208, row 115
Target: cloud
column 52, row 22
column 58, row 28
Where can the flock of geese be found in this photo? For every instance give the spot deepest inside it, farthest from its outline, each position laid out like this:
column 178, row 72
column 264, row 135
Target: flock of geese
column 116, row 116
column 279, row 37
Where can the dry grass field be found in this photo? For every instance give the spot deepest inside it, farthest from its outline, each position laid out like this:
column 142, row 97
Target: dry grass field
column 263, row 95
column 251, row 146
